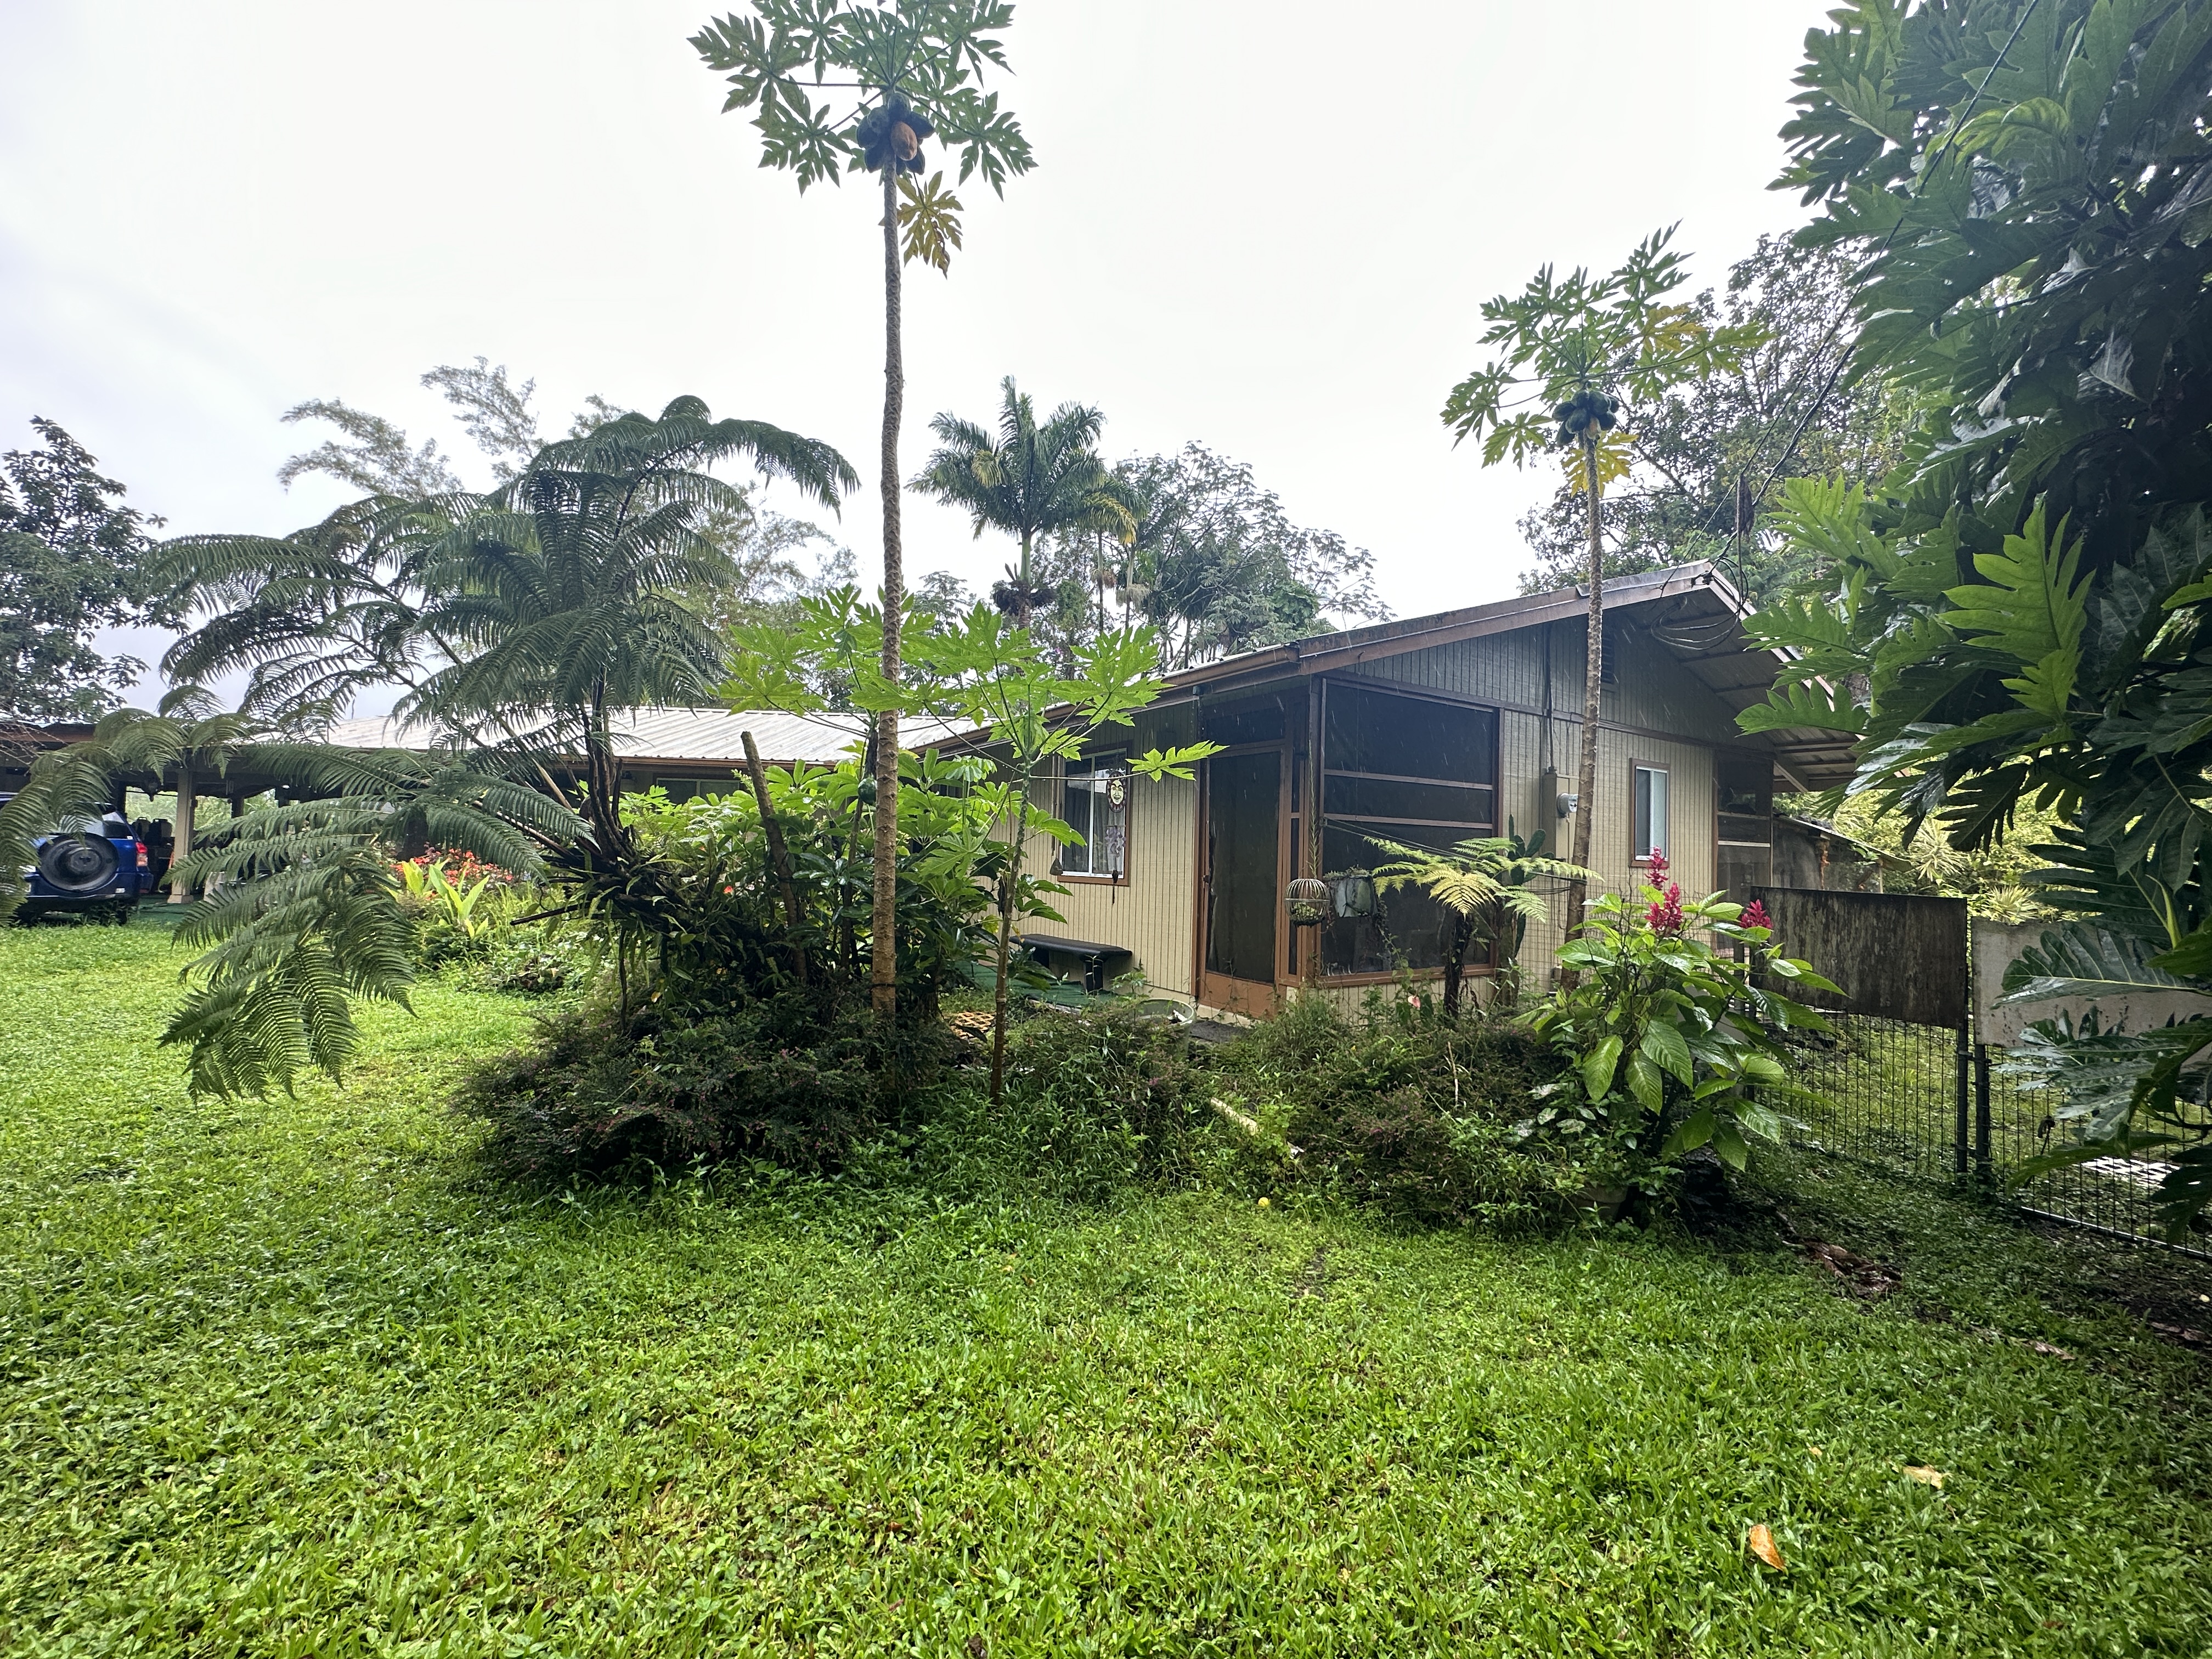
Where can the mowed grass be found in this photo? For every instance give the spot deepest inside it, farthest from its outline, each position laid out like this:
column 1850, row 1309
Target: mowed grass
column 287, row 1377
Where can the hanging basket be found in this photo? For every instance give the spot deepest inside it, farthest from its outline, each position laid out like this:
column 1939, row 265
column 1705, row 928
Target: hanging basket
column 1307, row 900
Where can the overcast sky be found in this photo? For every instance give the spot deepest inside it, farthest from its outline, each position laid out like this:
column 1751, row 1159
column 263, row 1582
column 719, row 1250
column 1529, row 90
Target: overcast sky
column 1254, row 224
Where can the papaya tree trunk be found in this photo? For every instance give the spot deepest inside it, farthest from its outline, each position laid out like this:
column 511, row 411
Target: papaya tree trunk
column 883, row 911
column 1592, row 692
column 1006, row 891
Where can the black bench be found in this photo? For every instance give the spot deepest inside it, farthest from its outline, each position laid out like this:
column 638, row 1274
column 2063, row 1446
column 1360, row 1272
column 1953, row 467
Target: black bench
column 1093, row 956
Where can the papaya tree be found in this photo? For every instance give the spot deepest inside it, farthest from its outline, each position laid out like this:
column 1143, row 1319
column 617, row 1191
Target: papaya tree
column 897, row 75
column 1579, row 358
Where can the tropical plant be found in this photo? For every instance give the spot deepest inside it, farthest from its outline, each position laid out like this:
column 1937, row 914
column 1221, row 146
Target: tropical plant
column 1032, row 480
column 451, row 900
column 1485, row 883
column 2016, row 615
column 557, row 589
column 73, row 560
column 1024, row 710
column 1580, row 361
column 1212, row 562
column 1672, row 1039
column 916, row 67
column 550, row 600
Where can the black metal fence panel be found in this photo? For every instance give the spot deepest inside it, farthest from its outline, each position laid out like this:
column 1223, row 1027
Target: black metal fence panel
column 1886, row 1094
column 1899, row 1082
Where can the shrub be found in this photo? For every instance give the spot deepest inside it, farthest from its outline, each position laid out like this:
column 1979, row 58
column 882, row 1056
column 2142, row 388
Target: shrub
column 597, row 1097
column 1095, row 1101
column 1408, row 1110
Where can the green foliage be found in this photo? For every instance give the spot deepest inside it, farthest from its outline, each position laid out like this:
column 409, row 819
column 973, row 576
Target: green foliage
column 2014, row 618
column 1485, row 883
column 929, row 54
column 592, row 1099
column 73, row 560
column 1403, row 1111
column 1215, row 563
column 1565, row 339
column 1670, row 1040
column 552, row 603
column 1098, row 1104
column 993, row 677
column 1772, row 411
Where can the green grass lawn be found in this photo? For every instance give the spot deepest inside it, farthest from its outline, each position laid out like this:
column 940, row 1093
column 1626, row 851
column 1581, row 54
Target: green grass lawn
column 286, row 1377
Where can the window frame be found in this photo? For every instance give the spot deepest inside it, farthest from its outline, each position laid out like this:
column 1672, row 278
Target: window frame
column 1092, row 764
column 1640, row 858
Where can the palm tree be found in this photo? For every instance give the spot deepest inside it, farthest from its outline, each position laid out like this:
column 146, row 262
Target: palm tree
column 917, row 66
column 1032, row 480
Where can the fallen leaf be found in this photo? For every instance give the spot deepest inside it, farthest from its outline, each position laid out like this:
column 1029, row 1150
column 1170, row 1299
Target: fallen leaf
column 1815, row 1450
column 1926, row 1476
column 2049, row 1351
column 1763, row 1545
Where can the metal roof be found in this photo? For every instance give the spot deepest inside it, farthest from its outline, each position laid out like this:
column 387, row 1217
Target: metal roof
column 692, row 736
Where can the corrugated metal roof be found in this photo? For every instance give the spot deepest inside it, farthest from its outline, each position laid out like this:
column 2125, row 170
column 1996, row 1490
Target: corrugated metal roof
column 692, row 735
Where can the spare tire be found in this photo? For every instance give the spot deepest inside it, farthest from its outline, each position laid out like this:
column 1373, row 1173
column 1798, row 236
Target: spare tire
column 78, row 864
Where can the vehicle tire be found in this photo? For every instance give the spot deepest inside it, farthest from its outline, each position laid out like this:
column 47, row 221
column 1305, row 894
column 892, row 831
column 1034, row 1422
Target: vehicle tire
column 78, row 864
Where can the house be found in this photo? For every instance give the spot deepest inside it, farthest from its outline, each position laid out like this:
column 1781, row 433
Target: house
column 1428, row 730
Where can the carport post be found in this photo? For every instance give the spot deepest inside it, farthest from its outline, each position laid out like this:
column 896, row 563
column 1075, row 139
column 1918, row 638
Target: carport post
column 188, row 801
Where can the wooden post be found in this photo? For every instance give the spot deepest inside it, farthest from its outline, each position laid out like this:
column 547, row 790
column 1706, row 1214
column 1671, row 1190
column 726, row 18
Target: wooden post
column 180, row 847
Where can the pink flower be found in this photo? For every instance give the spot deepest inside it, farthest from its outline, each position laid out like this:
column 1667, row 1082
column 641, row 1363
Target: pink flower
column 1658, row 864
column 1665, row 915
column 1754, row 915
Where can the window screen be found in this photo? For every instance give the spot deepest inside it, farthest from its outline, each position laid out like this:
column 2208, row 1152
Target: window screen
column 1088, row 807
column 1652, row 835
column 1407, row 769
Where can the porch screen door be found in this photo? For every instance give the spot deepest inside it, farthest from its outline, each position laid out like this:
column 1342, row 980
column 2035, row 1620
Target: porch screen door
column 1243, row 849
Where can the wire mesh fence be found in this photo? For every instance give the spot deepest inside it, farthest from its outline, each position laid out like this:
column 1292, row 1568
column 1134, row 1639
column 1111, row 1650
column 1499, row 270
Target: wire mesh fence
column 1921, row 1101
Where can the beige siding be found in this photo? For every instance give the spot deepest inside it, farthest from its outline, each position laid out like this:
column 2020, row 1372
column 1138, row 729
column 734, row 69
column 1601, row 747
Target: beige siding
column 1154, row 912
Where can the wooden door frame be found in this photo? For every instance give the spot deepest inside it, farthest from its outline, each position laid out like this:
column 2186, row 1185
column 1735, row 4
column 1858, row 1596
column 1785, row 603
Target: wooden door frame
column 1254, row 999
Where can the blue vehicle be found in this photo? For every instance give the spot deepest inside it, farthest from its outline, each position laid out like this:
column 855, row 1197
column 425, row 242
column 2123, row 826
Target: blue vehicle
column 98, row 872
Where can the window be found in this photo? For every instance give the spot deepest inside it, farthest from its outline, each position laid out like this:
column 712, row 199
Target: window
column 1651, row 832
column 1412, row 770
column 1745, row 854
column 1094, row 802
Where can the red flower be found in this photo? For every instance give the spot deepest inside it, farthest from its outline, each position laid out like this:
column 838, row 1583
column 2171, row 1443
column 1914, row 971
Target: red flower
column 1658, row 865
column 1665, row 915
column 1754, row 915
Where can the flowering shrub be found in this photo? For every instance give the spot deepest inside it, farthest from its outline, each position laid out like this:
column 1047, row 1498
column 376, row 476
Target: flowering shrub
column 1670, row 1032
